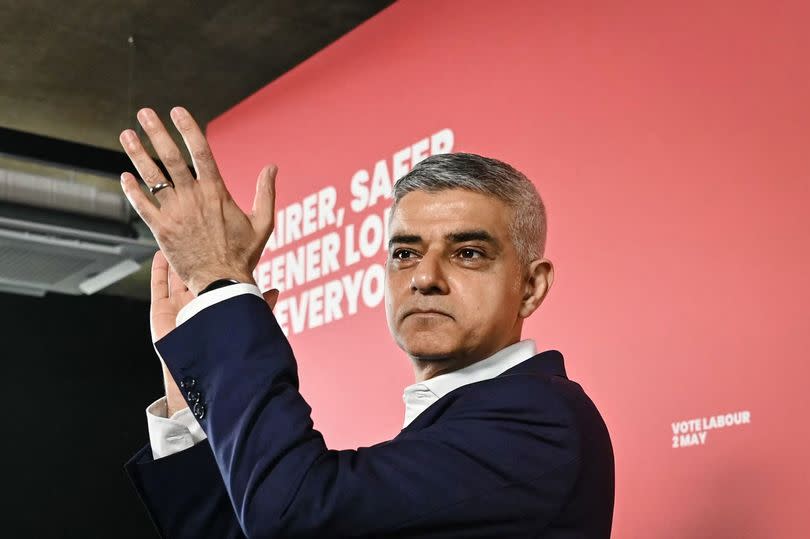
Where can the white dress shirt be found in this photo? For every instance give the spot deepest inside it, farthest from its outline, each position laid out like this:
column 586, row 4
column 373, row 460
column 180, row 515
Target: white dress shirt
column 169, row 435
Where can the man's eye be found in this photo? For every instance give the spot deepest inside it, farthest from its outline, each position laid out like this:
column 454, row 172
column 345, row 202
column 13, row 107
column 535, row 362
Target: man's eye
column 402, row 254
column 470, row 253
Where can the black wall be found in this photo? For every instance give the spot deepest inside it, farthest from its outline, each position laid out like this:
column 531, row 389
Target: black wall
column 78, row 373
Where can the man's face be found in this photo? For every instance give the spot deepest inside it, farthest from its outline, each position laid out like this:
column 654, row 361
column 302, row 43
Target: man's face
column 454, row 282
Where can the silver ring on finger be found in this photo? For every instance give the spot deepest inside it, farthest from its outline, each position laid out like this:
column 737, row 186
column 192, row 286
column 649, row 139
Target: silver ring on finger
column 158, row 186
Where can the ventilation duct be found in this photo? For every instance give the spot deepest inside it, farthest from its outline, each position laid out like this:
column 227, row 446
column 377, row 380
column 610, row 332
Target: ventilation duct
column 63, row 236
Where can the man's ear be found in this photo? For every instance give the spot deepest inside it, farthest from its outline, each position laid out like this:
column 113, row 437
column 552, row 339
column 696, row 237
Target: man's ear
column 538, row 283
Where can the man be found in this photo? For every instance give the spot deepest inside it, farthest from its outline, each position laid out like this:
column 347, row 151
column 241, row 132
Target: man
column 497, row 441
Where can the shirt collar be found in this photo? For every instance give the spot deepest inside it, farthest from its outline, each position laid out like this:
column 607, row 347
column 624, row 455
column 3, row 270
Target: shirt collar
column 420, row 395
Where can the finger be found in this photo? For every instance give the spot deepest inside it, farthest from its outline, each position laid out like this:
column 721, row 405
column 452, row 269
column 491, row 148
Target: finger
column 145, row 207
column 264, row 203
column 144, row 164
column 165, row 147
column 201, row 156
column 160, row 276
column 271, row 298
column 176, row 284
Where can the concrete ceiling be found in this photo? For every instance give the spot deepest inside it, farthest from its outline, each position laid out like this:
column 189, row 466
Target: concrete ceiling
column 71, row 72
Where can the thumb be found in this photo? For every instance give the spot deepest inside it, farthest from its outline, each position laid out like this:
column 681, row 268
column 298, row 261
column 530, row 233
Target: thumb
column 271, row 297
column 263, row 214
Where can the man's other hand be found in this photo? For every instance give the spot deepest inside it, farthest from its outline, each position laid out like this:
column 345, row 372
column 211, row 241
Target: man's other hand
column 169, row 295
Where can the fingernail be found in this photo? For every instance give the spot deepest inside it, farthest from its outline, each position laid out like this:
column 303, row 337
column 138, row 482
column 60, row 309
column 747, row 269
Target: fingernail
column 128, row 137
column 145, row 116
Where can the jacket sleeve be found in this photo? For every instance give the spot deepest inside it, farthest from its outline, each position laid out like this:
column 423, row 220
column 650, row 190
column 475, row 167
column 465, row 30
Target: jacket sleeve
column 184, row 493
column 491, row 464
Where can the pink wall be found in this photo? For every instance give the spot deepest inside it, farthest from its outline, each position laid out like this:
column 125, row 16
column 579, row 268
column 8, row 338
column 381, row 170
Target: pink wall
column 670, row 143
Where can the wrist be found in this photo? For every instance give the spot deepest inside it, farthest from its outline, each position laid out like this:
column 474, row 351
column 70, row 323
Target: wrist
column 174, row 403
column 198, row 284
column 174, row 399
column 219, row 283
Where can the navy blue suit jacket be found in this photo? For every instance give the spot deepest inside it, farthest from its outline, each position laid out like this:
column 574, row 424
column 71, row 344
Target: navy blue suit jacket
column 525, row 454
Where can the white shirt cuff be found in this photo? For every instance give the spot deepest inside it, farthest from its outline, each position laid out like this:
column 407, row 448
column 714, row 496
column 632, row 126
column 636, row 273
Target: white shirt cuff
column 170, row 435
column 215, row 296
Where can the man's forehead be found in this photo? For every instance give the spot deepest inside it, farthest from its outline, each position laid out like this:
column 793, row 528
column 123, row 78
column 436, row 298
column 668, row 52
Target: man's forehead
column 449, row 215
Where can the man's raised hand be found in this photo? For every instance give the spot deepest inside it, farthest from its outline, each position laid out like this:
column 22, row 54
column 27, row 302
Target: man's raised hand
column 199, row 228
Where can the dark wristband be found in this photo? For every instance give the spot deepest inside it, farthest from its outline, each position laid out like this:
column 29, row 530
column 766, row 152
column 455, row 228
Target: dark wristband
column 219, row 283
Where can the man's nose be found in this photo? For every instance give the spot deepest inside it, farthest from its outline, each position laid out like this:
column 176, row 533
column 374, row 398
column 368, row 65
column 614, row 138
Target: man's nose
column 428, row 276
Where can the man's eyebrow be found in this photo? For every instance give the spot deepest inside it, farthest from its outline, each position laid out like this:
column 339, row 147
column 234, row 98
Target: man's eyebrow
column 404, row 238
column 471, row 235
column 453, row 237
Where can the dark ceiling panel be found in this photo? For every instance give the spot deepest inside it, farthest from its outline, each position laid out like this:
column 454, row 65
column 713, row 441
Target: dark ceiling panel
column 69, row 71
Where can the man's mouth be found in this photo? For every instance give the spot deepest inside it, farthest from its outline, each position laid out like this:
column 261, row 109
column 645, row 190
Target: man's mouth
column 425, row 312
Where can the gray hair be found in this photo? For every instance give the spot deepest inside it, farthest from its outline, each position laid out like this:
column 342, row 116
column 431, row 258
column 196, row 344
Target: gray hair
column 490, row 177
